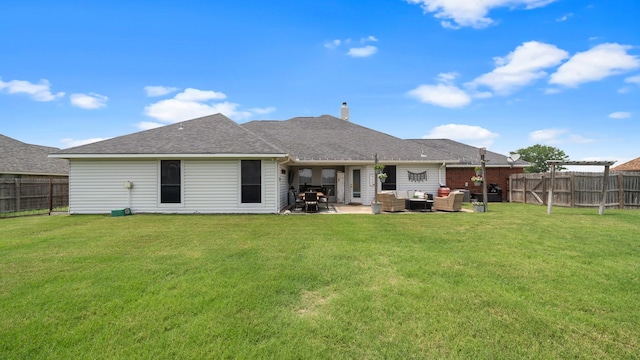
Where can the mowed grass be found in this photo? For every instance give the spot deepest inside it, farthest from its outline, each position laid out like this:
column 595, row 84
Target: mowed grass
column 509, row 284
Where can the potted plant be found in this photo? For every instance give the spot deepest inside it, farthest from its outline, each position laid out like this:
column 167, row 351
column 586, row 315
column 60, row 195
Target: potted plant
column 478, row 170
column 378, row 168
column 478, row 206
column 477, row 180
column 382, row 177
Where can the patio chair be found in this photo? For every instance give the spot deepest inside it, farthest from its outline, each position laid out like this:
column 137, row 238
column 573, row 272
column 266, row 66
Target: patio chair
column 390, row 202
column 299, row 204
column 451, row 202
column 325, row 198
column 311, row 201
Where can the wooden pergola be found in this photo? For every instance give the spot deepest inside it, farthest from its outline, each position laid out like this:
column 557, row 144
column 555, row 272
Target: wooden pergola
column 603, row 194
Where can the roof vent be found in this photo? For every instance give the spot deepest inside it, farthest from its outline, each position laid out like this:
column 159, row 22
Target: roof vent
column 344, row 112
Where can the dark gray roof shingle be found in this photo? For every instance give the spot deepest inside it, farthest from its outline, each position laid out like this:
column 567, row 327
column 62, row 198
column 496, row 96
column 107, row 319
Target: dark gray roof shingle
column 19, row 158
column 329, row 138
column 467, row 154
column 214, row 134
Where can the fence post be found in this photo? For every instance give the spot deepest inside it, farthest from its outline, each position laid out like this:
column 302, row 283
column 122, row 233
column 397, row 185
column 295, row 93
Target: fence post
column 17, row 191
column 50, row 195
column 620, row 191
column 572, row 184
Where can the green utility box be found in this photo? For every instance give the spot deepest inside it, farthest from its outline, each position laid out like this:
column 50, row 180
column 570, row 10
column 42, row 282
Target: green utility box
column 121, row 212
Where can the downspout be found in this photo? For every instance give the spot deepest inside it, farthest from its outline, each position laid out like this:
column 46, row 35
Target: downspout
column 444, row 164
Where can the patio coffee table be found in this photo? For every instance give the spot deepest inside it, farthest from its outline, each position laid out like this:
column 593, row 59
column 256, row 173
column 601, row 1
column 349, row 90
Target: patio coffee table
column 419, row 204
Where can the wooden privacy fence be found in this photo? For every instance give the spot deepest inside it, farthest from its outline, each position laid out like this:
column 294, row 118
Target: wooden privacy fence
column 28, row 194
column 577, row 189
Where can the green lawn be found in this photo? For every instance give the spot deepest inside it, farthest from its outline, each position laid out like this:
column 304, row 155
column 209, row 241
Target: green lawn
column 509, row 284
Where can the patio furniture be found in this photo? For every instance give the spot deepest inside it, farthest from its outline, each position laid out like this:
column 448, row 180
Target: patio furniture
column 299, row 202
column 419, row 204
column 451, row 202
column 311, row 201
column 390, row 202
column 325, row 199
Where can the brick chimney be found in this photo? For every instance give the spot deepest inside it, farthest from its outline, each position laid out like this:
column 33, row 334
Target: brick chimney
column 344, row 112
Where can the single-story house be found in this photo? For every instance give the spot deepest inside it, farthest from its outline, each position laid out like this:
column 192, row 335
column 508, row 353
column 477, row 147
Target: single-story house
column 21, row 160
column 215, row 165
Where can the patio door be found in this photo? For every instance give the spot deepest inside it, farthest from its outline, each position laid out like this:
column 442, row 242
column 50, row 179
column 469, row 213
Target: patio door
column 356, row 185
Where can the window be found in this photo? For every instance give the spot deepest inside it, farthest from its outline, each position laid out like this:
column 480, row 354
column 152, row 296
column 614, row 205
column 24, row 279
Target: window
column 305, row 178
column 251, row 181
column 390, row 183
column 170, row 182
column 329, row 180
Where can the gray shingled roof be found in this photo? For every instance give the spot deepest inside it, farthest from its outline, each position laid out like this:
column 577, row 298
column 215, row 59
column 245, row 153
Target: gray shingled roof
column 633, row 165
column 332, row 139
column 18, row 158
column 322, row 138
column 214, row 134
column 467, row 154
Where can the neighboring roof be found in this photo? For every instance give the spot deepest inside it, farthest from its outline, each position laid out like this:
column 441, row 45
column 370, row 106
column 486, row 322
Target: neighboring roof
column 327, row 138
column 633, row 165
column 467, row 154
column 209, row 135
column 18, row 158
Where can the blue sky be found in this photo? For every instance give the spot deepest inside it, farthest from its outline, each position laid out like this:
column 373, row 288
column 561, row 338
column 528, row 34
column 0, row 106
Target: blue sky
column 505, row 74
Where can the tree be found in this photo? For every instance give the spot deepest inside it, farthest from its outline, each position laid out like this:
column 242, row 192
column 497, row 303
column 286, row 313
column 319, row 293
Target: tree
column 538, row 155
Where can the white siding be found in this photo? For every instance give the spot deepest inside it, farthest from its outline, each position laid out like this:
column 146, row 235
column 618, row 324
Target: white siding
column 430, row 186
column 283, row 185
column 209, row 186
column 403, row 184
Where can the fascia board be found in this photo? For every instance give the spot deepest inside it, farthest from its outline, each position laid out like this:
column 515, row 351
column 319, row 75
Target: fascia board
column 166, row 156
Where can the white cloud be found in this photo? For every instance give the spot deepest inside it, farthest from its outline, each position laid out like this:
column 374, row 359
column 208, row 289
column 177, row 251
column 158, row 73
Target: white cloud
column 472, row 13
column 445, row 95
column 88, row 101
column 564, row 18
column 547, row 135
column 468, row 134
column 193, row 103
column 153, row 91
column 362, row 51
column 38, row 92
column 71, row 142
column 599, row 62
column 263, row 111
column 633, row 80
column 620, row 115
column 356, row 51
column 520, row 67
column 481, row 94
column 196, row 95
column 333, row 44
column 557, row 136
column 447, row 78
column 148, row 125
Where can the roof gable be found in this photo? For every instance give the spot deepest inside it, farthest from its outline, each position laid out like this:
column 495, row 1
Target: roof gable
column 26, row 159
column 213, row 134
